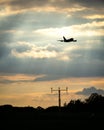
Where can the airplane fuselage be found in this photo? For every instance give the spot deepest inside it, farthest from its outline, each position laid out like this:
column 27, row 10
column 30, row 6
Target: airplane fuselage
column 67, row 40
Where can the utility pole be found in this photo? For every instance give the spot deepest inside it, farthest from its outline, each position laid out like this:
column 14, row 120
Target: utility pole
column 59, row 94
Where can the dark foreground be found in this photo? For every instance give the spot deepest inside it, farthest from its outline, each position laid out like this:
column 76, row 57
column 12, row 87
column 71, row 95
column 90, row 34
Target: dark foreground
column 52, row 124
column 55, row 120
column 75, row 115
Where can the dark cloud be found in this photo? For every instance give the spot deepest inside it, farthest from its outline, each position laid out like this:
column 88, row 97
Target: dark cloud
column 58, row 3
column 49, row 78
column 89, row 91
column 93, row 4
column 89, row 54
column 31, row 21
column 53, row 70
column 86, row 62
column 28, row 4
column 8, row 23
column 22, row 48
column 23, row 3
column 7, row 81
column 4, row 50
column 5, row 38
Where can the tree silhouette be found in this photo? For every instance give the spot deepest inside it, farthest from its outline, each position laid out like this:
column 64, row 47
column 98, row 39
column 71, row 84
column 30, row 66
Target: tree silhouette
column 94, row 105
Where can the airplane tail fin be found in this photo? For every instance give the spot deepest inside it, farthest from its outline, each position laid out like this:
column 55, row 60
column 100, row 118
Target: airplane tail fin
column 64, row 38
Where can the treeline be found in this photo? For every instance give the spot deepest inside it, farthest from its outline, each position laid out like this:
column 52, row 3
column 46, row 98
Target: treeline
column 92, row 107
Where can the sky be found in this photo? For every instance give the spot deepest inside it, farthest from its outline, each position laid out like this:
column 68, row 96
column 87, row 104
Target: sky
column 32, row 60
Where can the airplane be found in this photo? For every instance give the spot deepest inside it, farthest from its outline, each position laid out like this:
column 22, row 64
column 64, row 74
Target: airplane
column 68, row 40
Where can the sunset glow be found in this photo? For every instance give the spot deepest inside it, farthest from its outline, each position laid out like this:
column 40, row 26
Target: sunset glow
column 33, row 60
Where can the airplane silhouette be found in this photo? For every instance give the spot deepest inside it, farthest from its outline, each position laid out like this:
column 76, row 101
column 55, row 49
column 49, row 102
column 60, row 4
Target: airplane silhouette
column 68, row 40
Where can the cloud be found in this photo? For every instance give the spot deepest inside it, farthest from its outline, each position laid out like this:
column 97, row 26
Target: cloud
column 82, row 60
column 59, row 3
column 86, row 30
column 69, row 6
column 29, row 31
column 4, row 50
column 35, row 53
column 18, row 78
column 21, row 26
column 89, row 91
column 95, row 16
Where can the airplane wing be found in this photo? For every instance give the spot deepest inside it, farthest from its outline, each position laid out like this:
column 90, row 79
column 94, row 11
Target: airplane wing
column 74, row 40
column 61, row 40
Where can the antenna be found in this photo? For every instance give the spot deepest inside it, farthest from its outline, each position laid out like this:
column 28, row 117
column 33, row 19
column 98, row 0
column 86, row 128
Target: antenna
column 59, row 94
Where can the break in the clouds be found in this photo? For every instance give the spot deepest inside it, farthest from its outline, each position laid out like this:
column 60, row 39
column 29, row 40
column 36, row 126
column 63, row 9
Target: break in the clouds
column 29, row 31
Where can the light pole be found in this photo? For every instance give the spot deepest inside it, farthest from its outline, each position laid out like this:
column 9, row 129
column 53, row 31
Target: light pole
column 59, row 94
